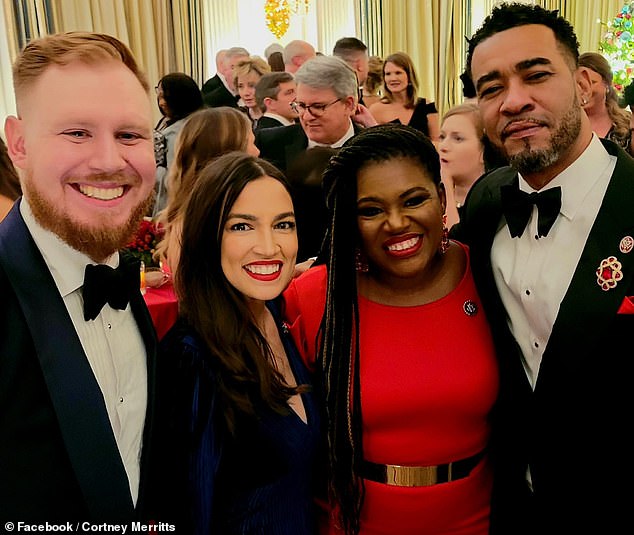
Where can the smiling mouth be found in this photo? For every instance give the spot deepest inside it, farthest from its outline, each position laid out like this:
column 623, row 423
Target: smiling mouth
column 102, row 194
column 403, row 245
column 264, row 272
column 263, row 269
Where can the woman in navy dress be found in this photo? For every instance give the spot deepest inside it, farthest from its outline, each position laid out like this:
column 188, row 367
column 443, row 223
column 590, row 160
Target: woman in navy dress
column 239, row 425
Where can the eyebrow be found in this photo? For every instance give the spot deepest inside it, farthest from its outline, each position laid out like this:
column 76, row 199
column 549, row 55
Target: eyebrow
column 250, row 217
column 406, row 193
column 521, row 66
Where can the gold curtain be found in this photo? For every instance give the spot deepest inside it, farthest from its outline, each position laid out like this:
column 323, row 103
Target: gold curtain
column 369, row 23
column 432, row 33
column 411, row 26
column 584, row 16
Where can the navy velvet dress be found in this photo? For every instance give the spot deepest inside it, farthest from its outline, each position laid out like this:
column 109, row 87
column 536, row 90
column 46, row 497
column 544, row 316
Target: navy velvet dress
column 258, row 480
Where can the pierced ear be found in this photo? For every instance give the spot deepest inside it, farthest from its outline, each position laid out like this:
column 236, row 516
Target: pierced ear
column 584, row 85
column 16, row 147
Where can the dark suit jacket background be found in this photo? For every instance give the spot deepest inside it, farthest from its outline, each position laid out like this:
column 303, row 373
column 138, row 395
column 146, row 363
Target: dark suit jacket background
column 58, row 457
column 574, row 428
column 283, row 144
column 267, row 122
column 220, row 96
column 280, row 145
column 213, row 83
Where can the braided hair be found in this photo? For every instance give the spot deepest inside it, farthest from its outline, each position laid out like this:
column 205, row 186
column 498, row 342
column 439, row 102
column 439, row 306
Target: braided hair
column 339, row 347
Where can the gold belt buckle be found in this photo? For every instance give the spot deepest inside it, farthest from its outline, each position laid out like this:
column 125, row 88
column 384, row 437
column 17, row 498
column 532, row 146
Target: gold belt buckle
column 411, row 476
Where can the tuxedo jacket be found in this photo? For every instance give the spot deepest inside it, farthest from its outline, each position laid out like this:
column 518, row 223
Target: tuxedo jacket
column 213, row 83
column 572, row 428
column 58, row 455
column 281, row 145
column 220, row 96
column 267, row 122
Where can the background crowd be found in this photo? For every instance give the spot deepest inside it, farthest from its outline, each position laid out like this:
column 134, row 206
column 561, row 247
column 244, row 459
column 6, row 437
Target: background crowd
column 388, row 321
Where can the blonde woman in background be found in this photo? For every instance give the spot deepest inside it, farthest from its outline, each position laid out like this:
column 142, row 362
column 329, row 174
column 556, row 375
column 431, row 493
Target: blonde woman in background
column 246, row 75
column 607, row 118
column 207, row 134
column 400, row 102
column 465, row 155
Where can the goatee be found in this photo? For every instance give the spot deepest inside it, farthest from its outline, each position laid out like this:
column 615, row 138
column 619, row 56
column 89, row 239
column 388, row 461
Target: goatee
column 536, row 160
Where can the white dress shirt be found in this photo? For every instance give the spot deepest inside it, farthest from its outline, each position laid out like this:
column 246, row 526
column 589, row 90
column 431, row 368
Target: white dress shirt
column 533, row 274
column 336, row 144
column 112, row 343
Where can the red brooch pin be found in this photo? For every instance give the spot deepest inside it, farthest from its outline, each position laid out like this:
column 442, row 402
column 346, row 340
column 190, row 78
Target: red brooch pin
column 609, row 273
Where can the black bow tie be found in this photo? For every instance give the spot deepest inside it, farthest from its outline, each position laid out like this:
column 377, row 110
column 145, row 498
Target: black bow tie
column 518, row 205
column 103, row 284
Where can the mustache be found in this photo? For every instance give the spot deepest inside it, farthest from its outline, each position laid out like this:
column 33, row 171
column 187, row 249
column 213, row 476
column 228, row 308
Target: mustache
column 118, row 178
column 505, row 130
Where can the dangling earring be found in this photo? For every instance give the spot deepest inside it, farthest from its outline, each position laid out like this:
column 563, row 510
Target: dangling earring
column 444, row 241
column 360, row 263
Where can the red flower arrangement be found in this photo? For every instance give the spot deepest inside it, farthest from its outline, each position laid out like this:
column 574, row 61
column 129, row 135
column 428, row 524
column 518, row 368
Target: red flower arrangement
column 144, row 242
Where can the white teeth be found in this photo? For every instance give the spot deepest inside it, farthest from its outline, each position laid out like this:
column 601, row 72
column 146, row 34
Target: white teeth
column 261, row 269
column 401, row 246
column 103, row 194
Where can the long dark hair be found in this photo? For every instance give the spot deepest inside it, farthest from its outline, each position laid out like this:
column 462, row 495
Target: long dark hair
column 182, row 95
column 9, row 181
column 217, row 311
column 339, row 348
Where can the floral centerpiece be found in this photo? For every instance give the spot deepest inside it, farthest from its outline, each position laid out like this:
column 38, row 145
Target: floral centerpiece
column 144, row 242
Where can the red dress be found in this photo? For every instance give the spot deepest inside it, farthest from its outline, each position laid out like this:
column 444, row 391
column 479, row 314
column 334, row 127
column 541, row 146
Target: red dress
column 428, row 381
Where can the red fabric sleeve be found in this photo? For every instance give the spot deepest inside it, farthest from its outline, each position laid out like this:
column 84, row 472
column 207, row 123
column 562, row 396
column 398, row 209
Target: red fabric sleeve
column 304, row 302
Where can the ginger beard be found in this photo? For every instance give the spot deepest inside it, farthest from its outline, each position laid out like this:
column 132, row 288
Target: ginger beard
column 98, row 240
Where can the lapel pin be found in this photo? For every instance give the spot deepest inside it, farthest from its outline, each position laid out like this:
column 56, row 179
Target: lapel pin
column 470, row 308
column 626, row 244
column 609, row 273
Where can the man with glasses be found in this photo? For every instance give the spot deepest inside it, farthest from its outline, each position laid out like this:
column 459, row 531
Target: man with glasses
column 326, row 103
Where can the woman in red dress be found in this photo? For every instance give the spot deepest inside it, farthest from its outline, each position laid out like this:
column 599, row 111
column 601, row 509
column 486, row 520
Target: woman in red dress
column 392, row 324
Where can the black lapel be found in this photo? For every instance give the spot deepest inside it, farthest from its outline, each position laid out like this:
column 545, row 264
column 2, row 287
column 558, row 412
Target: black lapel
column 298, row 143
column 148, row 332
column 75, row 394
column 579, row 325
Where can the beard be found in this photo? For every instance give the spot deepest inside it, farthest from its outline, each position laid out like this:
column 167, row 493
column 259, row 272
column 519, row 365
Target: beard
column 531, row 160
column 98, row 240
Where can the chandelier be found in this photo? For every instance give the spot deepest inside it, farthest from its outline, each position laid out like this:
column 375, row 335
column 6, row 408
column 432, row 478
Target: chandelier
column 278, row 13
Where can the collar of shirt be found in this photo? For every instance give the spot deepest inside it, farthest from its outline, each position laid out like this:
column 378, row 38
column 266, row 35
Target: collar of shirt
column 281, row 119
column 336, row 144
column 67, row 265
column 224, row 82
column 578, row 178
